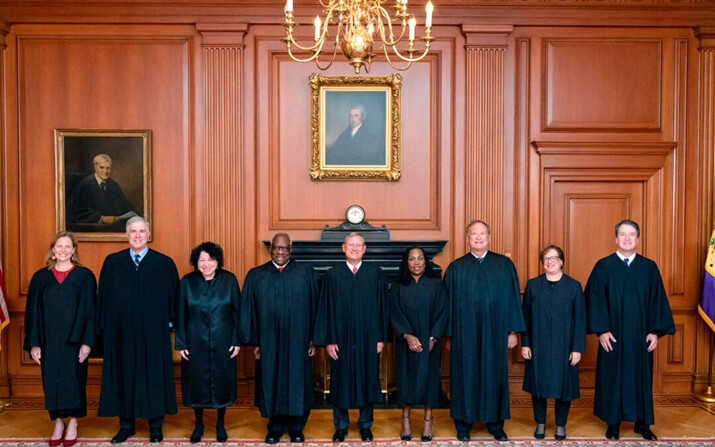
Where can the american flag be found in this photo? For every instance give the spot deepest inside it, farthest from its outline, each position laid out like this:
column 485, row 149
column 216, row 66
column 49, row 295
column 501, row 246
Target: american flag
column 707, row 302
column 4, row 314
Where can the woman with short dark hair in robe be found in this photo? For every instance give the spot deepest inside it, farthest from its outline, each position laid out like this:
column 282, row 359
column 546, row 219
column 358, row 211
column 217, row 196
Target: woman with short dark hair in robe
column 555, row 316
column 207, row 337
column 418, row 313
column 59, row 333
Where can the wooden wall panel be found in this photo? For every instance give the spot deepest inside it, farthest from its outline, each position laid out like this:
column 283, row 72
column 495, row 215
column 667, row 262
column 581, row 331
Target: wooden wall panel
column 602, row 84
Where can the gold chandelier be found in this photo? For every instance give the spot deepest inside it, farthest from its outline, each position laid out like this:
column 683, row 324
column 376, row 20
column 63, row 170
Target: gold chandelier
column 357, row 23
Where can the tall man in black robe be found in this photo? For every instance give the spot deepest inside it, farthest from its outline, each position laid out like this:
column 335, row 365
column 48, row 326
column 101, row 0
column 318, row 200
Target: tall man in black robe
column 137, row 291
column 352, row 324
column 628, row 309
column 277, row 314
column 485, row 315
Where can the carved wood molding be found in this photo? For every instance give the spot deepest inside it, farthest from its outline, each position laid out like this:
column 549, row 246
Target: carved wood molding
column 604, row 147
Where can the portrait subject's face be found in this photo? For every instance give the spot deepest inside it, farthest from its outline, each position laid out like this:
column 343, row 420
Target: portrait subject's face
column 478, row 238
column 138, row 236
column 552, row 262
column 63, row 249
column 354, row 248
column 627, row 239
column 355, row 117
column 103, row 169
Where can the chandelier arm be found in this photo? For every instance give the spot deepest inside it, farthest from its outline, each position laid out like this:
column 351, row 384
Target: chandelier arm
column 389, row 61
column 392, row 41
column 409, row 58
column 317, row 58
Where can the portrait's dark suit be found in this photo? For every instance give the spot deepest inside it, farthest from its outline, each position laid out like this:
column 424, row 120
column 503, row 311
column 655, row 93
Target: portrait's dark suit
column 364, row 148
column 88, row 202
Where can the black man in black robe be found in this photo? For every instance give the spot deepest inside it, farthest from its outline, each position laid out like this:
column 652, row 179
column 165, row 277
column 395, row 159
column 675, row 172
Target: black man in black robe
column 277, row 314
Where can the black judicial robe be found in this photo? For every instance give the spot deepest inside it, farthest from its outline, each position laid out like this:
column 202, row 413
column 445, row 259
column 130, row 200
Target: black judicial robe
column 485, row 306
column 277, row 315
column 207, row 325
column 353, row 313
column 59, row 318
column 630, row 302
column 555, row 317
column 134, row 308
column 419, row 309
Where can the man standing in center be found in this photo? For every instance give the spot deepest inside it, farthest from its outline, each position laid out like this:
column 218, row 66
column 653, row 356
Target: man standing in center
column 277, row 313
column 137, row 292
column 352, row 325
column 485, row 315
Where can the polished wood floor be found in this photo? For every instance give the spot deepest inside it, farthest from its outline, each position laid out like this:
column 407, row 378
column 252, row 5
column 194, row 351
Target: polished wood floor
column 675, row 418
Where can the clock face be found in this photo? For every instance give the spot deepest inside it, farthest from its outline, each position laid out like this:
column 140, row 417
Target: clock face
column 355, row 214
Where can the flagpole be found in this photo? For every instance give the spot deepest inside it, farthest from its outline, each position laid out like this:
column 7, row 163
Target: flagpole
column 708, row 395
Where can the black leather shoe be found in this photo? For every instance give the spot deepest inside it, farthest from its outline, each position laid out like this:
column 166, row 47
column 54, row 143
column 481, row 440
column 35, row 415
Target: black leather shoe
column 155, row 434
column 197, row 434
column 296, row 436
column 463, row 436
column 273, row 437
column 500, row 436
column 221, row 435
column 339, row 435
column 122, row 435
column 540, row 434
column 646, row 433
column 366, row 435
column 613, row 432
column 560, row 437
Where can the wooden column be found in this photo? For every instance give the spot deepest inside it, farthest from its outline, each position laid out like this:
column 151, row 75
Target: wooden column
column 706, row 172
column 220, row 184
column 4, row 379
column 485, row 149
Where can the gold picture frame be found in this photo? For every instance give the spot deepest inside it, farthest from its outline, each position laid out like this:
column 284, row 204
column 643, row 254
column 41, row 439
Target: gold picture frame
column 355, row 127
column 94, row 205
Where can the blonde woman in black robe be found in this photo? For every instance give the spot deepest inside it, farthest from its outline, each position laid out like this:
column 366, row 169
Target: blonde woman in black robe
column 59, row 333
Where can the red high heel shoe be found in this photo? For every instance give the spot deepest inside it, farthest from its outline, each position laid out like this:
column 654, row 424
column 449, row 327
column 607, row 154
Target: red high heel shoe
column 69, row 442
column 56, row 442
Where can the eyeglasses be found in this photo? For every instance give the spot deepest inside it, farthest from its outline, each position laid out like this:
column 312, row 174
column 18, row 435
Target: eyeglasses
column 280, row 248
column 550, row 258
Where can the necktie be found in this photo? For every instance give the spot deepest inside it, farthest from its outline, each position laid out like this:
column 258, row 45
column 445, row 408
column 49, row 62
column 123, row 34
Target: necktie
column 626, row 261
column 481, row 259
column 136, row 260
column 354, row 270
column 280, row 269
column 103, row 185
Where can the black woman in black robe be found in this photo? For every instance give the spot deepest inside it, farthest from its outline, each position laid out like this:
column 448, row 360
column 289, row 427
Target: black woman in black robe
column 352, row 323
column 629, row 311
column 418, row 313
column 207, row 337
column 277, row 314
column 555, row 337
column 59, row 333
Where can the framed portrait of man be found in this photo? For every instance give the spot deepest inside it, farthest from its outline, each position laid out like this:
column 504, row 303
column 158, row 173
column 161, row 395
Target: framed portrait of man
column 103, row 178
column 355, row 127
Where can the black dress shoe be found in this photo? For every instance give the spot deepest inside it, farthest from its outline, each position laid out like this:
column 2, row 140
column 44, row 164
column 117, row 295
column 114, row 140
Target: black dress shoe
column 197, row 434
column 155, row 434
column 122, row 435
column 500, row 436
column 540, row 434
column 296, row 436
column 560, row 437
column 463, row 436
column 366, row 435
column 221, row 435
column 646, row 433
column 339, row 435
column 613, row 432
column 273, row 437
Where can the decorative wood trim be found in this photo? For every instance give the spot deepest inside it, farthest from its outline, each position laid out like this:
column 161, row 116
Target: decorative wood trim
column 484, row 127
column 223, row 200
column 604, row 148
